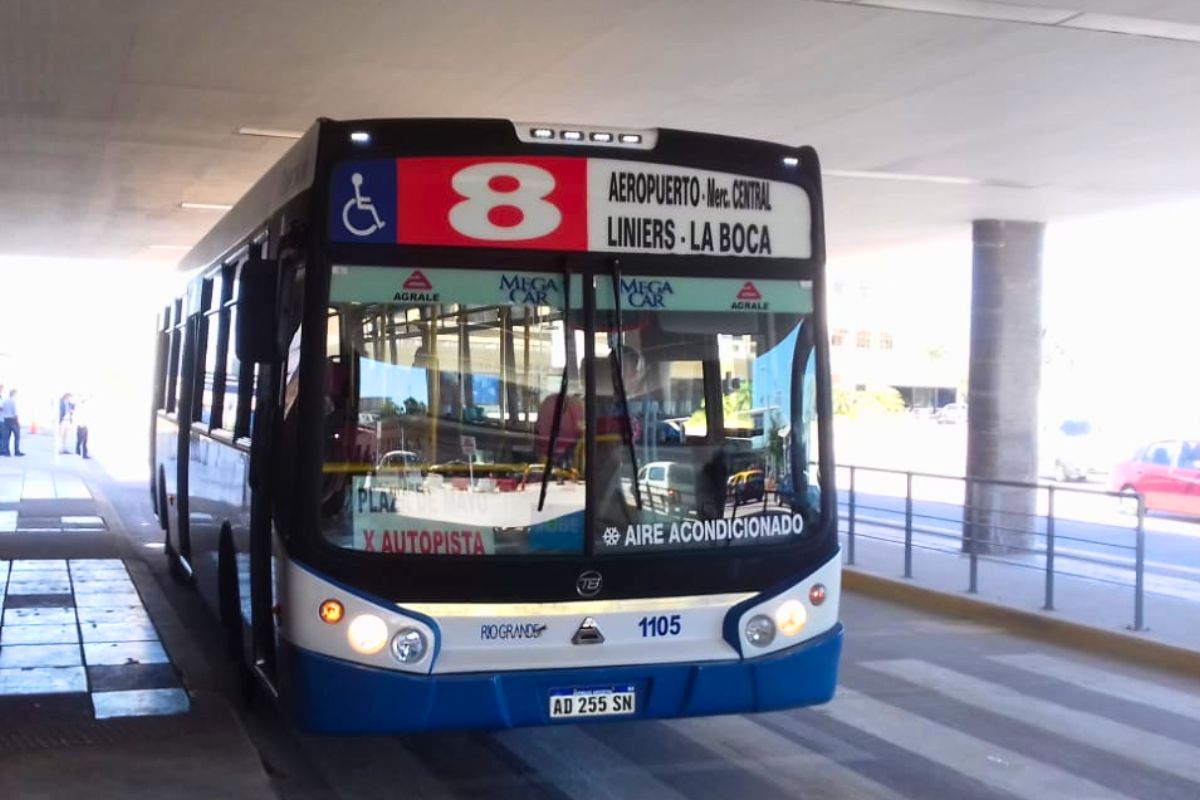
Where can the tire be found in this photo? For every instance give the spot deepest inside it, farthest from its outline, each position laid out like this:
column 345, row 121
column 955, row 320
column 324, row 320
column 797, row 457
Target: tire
column 162, row 503
column 174, row 565
column 228, row 595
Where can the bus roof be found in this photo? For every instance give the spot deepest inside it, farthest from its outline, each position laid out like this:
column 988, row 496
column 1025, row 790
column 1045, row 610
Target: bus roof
column 650, row 190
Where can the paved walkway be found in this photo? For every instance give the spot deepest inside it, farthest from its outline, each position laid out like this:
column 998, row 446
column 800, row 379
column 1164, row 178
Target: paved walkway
column 79, row 626
column 93, row 702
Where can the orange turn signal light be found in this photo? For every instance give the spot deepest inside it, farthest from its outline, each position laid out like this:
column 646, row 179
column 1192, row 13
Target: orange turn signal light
column 332, row 612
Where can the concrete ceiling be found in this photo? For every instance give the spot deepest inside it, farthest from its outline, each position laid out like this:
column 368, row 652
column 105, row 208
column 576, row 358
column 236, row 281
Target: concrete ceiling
column 112, row 112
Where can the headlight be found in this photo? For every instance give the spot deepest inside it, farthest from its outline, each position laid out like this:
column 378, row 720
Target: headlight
column 409, row 645
column 367, row 634
column 760, row 630
column 791, row 617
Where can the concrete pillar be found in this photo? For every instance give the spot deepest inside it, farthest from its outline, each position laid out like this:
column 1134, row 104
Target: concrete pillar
column 1003, row 383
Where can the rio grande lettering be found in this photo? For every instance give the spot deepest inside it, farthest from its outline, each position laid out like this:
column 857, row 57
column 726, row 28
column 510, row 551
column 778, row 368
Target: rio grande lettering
column 511, row 630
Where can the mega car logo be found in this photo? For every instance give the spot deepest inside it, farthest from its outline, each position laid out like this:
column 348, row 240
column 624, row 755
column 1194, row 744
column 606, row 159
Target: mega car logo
column 526, row 290
column 416, row 289
column 645, row 294
column 588, row 583
column 749, row 298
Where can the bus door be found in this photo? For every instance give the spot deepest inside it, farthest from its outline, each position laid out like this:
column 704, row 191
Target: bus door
column 182, row 545
column 267, row 292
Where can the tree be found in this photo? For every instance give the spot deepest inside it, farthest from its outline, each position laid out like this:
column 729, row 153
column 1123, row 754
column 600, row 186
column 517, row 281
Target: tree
column 389, row 409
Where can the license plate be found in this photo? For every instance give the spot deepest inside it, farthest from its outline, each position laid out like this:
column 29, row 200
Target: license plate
column 606, row 701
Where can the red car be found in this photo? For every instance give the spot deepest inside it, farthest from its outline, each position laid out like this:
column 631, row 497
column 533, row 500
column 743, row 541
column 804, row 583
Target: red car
column 1166, row 473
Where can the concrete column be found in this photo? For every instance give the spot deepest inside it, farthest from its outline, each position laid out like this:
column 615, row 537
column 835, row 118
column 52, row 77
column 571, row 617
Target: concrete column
column 1003, row 383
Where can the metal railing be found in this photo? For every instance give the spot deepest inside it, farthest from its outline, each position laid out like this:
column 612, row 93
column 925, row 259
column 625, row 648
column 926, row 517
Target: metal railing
column 1029, row 539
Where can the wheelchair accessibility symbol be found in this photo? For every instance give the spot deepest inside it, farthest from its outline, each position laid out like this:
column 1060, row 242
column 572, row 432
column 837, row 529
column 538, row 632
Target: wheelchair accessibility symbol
column 360, row 209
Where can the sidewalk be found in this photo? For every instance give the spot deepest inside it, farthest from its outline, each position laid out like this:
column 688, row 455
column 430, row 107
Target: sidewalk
column 97, row 691
column 1021, row 586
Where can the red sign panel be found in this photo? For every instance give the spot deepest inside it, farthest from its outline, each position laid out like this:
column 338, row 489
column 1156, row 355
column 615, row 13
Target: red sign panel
column 517, row 202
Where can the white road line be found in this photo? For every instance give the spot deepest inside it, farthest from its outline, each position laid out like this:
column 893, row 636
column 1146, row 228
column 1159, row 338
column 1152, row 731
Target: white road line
column 1160, row 752
column 973, row 758
column 745, row 743
column 1164, row 698
column 581, row 766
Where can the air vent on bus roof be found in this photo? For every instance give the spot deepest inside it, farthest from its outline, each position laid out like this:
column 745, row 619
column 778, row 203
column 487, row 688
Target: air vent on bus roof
column 548, row 133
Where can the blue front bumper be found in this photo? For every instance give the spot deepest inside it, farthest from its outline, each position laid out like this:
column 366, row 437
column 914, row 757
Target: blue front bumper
column 326, row 695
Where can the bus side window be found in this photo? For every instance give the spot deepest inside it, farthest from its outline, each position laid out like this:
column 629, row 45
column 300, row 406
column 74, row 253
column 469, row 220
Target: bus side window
column 217, row 362
column 247, row 386
column 173, row 366
column 164, row 356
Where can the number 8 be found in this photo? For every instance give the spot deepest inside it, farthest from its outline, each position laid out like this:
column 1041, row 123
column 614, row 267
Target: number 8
column 474, row 217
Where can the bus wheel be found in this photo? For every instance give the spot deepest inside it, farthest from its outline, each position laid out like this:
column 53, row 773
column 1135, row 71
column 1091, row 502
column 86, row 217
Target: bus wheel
column 248, row 683
column 228, row 599
column 174, row 564
column 162, row 502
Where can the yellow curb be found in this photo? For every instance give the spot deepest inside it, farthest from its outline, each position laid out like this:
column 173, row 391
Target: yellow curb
column 1040, row 625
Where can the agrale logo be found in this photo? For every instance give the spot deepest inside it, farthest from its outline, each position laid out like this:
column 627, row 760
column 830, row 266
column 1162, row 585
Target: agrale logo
column 418, row 289
column 749, row 298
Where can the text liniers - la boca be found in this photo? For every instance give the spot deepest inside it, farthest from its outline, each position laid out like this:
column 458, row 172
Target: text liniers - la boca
column 703, row 235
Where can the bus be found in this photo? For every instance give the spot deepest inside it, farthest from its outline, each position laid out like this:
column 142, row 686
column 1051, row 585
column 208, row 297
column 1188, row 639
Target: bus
column 446, row 419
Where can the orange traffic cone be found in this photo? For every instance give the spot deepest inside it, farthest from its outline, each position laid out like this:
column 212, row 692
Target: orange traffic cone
column 33, row 427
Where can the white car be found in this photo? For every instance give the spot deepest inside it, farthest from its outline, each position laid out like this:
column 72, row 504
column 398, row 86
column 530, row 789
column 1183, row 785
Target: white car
column 398, row 469
column 668, row 487
column 951, row 414
column 1073, row 451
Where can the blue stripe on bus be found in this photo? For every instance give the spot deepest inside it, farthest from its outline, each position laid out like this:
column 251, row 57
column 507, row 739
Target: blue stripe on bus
column 328, row 695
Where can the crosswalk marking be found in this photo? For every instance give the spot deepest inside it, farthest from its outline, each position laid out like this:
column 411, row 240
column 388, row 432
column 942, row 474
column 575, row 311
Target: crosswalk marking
column 1153, row 749
column 1146, row 693
column 581, row 766
column 974, row 758
column 777, row 759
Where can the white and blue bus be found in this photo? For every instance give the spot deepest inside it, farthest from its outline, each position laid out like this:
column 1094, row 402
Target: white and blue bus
column 479, row 424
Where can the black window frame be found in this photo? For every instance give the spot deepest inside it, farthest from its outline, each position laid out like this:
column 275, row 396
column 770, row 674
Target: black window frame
column 175, row 360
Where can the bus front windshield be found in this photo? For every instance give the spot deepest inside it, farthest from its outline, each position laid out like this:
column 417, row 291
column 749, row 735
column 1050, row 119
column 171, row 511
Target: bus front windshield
column 457, row 413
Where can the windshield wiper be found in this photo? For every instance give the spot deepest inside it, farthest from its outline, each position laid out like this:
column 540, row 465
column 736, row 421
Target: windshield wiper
column 619, row 380
column 561, row 400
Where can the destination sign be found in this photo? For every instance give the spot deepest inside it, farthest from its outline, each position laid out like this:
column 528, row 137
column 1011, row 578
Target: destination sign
column 571, row 204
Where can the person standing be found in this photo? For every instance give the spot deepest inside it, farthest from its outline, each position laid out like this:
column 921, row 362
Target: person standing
column 3, row 427
column 12, row 423
column 66, row 407
column 80, row 417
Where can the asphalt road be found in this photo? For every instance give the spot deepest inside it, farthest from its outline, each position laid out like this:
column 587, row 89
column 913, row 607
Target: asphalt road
column 929, row 707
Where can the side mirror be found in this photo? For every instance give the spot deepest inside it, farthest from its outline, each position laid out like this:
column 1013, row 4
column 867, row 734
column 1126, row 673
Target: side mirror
column 258, row 312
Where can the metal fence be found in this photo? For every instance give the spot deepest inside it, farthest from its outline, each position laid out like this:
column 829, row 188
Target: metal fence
column 966, row 521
